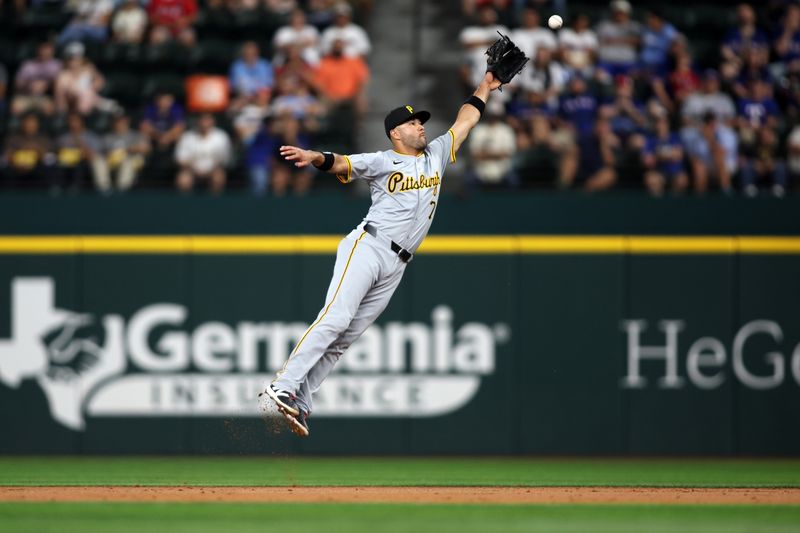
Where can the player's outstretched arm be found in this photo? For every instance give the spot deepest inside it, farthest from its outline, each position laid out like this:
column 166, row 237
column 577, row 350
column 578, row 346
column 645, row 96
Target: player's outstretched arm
column 303, row 158
column 469, row 115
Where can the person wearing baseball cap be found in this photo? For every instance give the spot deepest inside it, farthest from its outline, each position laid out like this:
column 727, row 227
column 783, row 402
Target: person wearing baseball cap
column 405, row 185
column 402, row 114
column 618, row 38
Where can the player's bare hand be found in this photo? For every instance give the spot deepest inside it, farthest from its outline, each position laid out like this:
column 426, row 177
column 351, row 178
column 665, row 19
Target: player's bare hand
column 491, row 81
column 301, row 158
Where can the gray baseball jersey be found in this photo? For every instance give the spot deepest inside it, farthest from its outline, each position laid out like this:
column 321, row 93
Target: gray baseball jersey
column 404, row 188
column 405, row 191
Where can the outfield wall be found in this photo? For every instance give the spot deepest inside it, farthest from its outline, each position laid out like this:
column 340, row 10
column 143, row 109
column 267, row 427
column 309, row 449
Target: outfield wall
column 153, row 333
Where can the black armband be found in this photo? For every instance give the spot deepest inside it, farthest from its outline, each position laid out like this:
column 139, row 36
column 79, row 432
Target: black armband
column 328, row 163
column 477, row 103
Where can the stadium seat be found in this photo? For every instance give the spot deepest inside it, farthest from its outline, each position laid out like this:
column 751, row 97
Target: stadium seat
column 172, row 83
column 170, row 57
column 213, row 56
column 124, row 86
column 121, row 54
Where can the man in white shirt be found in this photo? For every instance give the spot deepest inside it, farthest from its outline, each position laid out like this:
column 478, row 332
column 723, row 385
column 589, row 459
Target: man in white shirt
column 492, row 146
column 203, row 155
column 356, row 42
column 531, row 36
column 297, row 34
column 579, row 45
column 710, row 99
column 475, row 40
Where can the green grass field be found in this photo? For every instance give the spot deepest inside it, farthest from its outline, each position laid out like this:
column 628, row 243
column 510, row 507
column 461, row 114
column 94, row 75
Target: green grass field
column 355, row 518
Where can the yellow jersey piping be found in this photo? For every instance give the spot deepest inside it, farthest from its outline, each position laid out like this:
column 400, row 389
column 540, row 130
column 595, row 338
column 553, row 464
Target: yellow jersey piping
column 349, row 171
column 335, row 294
column 452, row 146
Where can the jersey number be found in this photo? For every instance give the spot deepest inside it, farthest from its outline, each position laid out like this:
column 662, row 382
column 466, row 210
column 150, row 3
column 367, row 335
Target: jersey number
column 433, row 209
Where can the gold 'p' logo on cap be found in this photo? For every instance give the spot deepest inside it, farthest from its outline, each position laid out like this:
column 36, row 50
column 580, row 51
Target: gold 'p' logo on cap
column 410, row 109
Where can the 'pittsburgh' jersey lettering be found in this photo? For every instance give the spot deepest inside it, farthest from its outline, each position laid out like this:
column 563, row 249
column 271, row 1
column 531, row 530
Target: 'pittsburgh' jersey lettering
column 402, row 188
column 399, row 183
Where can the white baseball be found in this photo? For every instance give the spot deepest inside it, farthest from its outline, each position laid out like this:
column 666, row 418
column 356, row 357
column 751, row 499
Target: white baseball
column 555, row 22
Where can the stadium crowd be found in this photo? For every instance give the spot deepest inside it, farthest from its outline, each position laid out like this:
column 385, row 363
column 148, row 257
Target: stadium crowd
column 74, row 120
column 628, row 101
column 111, row 94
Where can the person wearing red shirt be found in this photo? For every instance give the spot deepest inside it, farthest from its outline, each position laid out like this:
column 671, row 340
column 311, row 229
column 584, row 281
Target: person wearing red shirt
column 172, row 19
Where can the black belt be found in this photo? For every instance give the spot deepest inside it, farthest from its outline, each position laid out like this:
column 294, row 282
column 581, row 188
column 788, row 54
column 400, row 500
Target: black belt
column 404, row 255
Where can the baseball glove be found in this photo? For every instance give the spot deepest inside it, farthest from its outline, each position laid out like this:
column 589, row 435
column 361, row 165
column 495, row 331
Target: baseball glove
column 505, row 60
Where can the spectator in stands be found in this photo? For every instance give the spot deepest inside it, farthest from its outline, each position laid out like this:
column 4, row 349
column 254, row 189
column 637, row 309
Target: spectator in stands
column 787, row 92
column 758, row 115
column 597, row 159
column 505, row 9
column 129, row 23
column 709, row 100
column 294, row 66
column 618, row 40
column 203, row 154
column 492, row 146
column 626, row 114
column 259, row 147
column 35, row 81
column 786, row 42
column 321, row 13
column 712, row 147
column 172, row 19
column 27, row 156
column 3, row 88
column 248, row 122
column 683, row 80
column 475, row 39
column 531, row 36
column 578, row 108
column 78, row 84
column 295, row 99
column 662, row 158
column 543, row 79
column 761, row 161
column 280, row 7
column 355, row 39
column 297, row 34
column 341, row 79
column 746, row 36
column 578, row 45
column 541, row 155
column 793, row 149
column 251, row 78
column 284, row 174
column 89, row 22
column 79, row 155
column 658, row 39
column 124, row 151
column 163, row 121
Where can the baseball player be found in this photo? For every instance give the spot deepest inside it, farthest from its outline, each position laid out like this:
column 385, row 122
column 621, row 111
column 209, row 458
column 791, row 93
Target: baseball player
column 404, row 184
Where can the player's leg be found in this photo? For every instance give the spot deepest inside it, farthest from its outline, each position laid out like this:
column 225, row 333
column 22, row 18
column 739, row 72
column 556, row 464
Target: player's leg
column 370, row 309
column 354, row 274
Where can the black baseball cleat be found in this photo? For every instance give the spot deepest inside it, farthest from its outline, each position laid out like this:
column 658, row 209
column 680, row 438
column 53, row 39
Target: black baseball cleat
column 298, row 424
column 284, row 400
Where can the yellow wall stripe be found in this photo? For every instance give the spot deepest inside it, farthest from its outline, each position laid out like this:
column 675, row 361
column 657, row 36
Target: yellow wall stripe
column 435, row 244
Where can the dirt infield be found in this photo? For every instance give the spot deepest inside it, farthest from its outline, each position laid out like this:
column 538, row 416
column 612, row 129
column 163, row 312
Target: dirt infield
column 452, row 495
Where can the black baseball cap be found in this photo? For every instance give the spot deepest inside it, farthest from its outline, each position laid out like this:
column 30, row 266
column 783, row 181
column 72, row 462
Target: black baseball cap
column 403, row 114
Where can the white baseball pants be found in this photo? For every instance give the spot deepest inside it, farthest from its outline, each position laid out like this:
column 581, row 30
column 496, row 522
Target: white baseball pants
column 365, row 276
